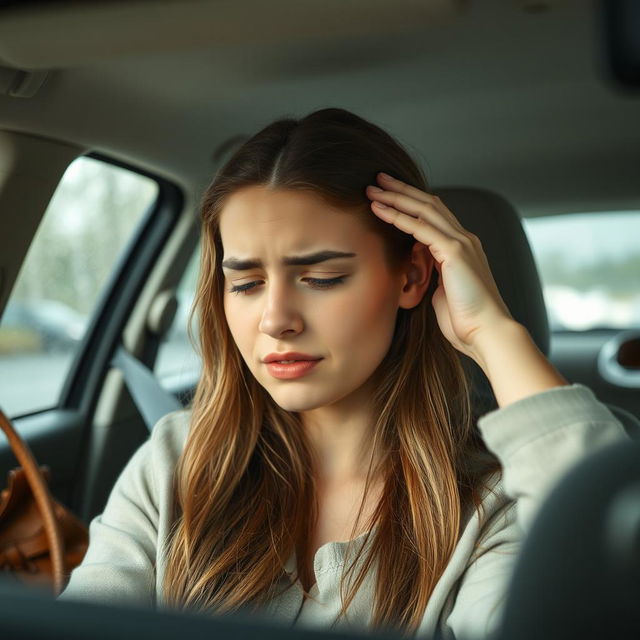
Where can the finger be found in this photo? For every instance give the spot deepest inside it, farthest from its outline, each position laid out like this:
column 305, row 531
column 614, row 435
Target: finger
column 430, row 235
column 390, row 183
column 417, row 209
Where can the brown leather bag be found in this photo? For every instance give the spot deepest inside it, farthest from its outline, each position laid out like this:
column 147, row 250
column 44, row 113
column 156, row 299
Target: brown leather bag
column 41, row 541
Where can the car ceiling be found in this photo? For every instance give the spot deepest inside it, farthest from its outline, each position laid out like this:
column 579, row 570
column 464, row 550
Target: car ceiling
column 511, row 95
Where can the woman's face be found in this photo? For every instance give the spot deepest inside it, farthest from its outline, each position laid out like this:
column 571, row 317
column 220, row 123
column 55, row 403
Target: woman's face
column 303, row 277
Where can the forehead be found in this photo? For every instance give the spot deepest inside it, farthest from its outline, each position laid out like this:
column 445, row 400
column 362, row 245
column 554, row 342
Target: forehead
column 290, row 219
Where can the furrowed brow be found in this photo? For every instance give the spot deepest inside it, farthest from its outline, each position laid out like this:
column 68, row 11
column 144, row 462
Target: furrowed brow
column 313, row 258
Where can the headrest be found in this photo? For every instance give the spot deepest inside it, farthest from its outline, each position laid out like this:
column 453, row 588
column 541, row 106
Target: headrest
column 497, row 224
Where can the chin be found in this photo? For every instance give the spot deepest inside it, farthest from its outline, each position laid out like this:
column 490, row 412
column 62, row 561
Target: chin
column 298, row 400
column 296, row 405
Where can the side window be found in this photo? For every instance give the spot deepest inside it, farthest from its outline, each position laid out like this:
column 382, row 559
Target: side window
column 88, row 223
column 177, row 365
column 589, row 265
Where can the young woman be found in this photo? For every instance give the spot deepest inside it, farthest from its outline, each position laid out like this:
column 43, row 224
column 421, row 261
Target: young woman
column 329, row 470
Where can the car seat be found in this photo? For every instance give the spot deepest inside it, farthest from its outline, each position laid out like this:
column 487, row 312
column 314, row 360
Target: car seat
column 578, row 573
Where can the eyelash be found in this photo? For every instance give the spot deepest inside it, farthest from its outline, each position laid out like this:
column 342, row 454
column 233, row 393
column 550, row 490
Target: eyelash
column 316, row 283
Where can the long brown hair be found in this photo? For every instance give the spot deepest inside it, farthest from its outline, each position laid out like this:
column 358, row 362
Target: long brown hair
column 244, row 485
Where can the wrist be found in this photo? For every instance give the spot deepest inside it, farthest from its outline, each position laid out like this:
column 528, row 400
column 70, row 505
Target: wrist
column 513, row 364
column 489, row 343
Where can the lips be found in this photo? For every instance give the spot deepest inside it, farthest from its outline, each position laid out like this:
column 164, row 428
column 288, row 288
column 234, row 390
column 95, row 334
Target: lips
column 289, row 357
column 291, row 369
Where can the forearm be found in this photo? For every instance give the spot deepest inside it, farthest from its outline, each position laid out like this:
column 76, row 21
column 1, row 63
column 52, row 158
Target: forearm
column 514, row 365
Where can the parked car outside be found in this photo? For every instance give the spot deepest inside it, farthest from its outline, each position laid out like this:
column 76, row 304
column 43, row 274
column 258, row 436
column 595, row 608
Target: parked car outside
column 40, row 325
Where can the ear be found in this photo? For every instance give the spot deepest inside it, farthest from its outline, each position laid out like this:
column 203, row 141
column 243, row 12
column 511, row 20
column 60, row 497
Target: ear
column 416, row 276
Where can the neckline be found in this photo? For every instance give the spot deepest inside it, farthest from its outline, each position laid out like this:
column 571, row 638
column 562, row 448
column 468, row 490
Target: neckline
column 344, row 543
column 335, row 549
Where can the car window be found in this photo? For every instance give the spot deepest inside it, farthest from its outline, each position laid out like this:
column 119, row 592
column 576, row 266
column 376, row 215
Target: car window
column 91, row 217
column 178, row 364
column 589, row 265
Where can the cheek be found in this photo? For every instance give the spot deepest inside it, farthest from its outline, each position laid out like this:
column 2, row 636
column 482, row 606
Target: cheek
column 238, row 322
column 365, row 320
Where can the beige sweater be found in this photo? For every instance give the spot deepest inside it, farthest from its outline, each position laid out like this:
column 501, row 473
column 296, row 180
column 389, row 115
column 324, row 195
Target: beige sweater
column 536, row 438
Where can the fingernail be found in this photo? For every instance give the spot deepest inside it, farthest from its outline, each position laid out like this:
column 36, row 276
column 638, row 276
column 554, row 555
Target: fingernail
column 380, row 205
column 375, row 189
column 385, row 175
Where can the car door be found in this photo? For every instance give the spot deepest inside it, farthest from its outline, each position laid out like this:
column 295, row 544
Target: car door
column 94, row 242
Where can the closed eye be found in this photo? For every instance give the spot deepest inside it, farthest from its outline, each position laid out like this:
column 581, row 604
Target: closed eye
column 314, row 283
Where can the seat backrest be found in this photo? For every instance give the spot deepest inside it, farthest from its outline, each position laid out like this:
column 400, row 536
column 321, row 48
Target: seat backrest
column 495, row 221
column 578, row 572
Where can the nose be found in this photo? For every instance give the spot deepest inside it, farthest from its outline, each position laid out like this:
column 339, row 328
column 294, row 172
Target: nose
column 281, row 314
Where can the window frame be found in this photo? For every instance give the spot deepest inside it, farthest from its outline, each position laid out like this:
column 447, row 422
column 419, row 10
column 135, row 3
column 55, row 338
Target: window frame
column 59, row 434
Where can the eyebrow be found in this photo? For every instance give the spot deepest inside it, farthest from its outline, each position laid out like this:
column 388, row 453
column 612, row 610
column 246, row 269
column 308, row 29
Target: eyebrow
column 312, row 258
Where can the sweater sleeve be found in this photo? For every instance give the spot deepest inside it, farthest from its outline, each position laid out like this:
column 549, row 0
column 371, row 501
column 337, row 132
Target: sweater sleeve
column 537, row 439
column 119, row 566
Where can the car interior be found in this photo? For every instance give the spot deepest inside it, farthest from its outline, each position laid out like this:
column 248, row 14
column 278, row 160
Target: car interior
column 115, row 116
